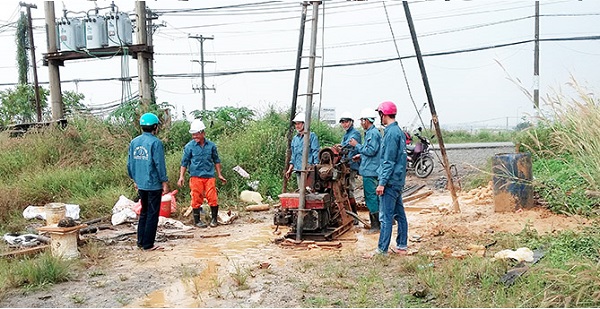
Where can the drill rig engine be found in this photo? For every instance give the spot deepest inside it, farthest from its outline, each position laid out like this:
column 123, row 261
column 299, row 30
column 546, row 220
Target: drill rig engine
column 326, row 199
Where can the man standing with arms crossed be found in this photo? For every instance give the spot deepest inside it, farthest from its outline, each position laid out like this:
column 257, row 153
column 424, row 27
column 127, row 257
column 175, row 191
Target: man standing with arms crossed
column 392, row 177
column 368, row 154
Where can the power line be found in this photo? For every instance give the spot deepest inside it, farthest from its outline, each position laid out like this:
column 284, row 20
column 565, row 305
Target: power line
column 346, row 64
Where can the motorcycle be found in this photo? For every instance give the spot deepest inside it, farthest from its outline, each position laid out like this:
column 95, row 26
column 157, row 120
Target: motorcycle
column 418, row 157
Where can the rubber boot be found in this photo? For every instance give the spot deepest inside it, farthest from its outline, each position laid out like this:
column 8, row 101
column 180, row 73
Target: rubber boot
column 197, row 221
column 214, row 211
column 354, row 209
column 375, row 224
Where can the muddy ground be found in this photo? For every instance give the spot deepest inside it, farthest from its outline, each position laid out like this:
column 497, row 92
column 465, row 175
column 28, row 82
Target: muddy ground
column 248, row 269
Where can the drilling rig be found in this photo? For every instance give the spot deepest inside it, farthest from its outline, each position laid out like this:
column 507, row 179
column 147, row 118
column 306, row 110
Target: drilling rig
column 327, row 213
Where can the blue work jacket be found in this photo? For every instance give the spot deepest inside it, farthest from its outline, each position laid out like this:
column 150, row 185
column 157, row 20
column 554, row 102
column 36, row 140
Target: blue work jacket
column 297, row 146
column 200, row 160
column 146, row 162
column 369, row 153
column 392, row 170
column 352, row 133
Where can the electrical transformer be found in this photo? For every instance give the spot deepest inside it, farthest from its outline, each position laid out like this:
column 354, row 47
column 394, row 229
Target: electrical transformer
column 70, row 34
column 95, row 32
column 119, row 29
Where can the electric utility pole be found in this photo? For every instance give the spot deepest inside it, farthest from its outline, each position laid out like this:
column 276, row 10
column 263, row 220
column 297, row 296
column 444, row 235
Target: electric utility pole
column 203, row 87
column 308, row 108
column 53, row 65
column 36, row 88
column 291, row 129
column 144, row 60
column 536, row 60
column 434, row 118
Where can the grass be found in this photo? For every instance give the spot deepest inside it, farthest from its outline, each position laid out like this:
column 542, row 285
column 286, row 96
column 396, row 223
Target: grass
column 240, row 275
column 566, row 151
column 566, row 276
column 35, row 273
column 461, row 136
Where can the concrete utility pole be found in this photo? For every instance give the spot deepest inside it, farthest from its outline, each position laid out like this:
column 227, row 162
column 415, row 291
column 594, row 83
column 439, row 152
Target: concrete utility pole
column 434, row 118
column 145, row 83
column 203, row 87
column 536, row 60
column 36, row 88
column 309, row 99
column 53, row 70
column 291, row 129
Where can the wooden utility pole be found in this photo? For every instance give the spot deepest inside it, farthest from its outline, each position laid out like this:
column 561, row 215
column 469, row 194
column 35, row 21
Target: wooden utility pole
column 308, row 108
column 53, row 65
column 536, row 60
column 36, row 89
column 288, row 152
column 203, row 87
column 434, row 118
column 145, row 83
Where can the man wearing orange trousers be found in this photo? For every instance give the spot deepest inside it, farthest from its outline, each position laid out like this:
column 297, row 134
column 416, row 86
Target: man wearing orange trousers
column 201, row 159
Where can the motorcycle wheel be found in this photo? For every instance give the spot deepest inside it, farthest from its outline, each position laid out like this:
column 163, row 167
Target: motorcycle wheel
column 424, row 167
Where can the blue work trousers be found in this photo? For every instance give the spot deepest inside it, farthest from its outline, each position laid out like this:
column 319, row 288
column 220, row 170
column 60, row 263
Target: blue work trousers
column 371, row 198
column 148, row 223
column 391, row 208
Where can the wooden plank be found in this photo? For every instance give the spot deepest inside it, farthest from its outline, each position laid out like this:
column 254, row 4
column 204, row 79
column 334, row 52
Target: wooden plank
column 24, row 252
column 408, row 191
column 92, row 221
column 56, row 229
column 188, row 211
column 417, row 196
column 258, row 207
column 215, row 235
column 179, row 235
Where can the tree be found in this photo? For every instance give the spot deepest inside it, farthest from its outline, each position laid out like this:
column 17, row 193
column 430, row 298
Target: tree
column 18, row 105
column 225, row 119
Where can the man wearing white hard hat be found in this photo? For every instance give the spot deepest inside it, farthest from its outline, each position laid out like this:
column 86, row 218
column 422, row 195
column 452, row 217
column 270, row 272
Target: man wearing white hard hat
column 347, row 123
column 201, row 159
column 368, row 154
column 297, row 145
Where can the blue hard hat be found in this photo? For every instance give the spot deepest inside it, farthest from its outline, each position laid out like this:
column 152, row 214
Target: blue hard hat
column 148, row 119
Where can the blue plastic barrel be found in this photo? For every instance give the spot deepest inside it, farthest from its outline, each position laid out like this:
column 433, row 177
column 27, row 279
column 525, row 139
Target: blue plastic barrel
column 512, row 181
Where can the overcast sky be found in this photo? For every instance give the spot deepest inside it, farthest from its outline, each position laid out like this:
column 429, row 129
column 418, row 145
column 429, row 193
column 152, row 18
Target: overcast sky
column 469, row 88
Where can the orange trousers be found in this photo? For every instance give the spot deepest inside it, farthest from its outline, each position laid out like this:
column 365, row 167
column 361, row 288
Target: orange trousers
column 203, row 188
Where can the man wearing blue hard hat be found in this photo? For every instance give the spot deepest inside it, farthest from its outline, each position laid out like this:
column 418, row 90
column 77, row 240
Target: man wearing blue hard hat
column 146, row 166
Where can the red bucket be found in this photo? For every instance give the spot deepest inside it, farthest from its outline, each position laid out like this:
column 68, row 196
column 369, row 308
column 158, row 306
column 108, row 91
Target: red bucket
column 167, row 204
column 165, row 208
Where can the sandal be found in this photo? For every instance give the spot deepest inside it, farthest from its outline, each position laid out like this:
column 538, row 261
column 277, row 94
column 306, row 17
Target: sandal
column 155, row 248
column 397, row 251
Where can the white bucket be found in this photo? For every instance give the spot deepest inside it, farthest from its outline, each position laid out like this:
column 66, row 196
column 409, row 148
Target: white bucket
column 64, row 245
column 55, row 212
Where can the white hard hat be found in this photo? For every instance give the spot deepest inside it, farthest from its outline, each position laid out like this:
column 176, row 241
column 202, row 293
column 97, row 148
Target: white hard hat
column 346, row 116
column 299, row 118
column 197, row 126
column 367, row 113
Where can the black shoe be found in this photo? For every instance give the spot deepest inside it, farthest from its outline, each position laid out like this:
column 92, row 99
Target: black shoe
column 375, row 224
column 197, row 221
column 214, row 211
